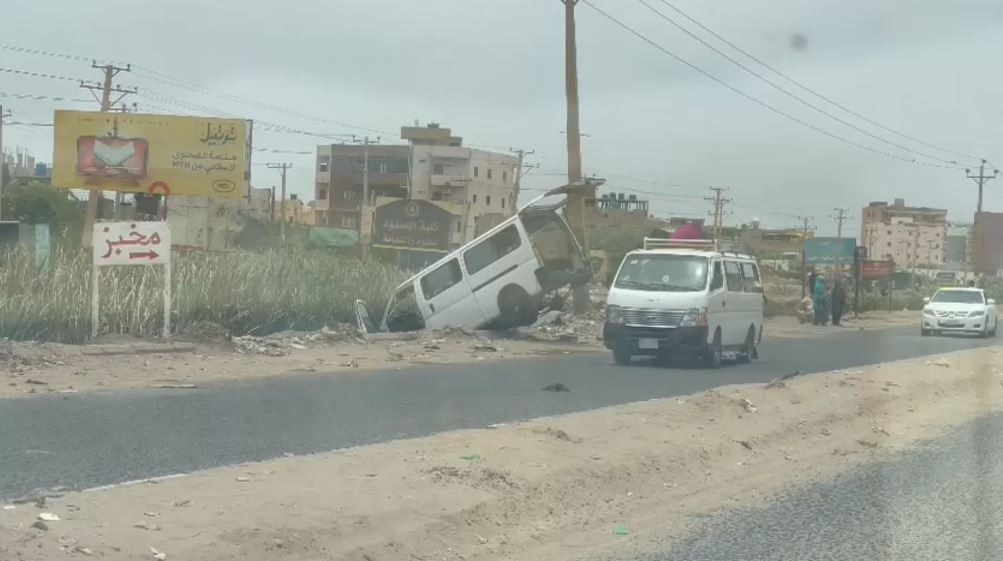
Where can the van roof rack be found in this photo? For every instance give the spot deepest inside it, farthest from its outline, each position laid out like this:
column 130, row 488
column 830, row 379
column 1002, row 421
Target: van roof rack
column 724, row 247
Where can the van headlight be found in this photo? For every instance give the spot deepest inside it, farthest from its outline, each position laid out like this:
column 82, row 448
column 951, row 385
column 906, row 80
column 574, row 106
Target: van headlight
column 694, row 317
column 977, row 313
column 614, row 314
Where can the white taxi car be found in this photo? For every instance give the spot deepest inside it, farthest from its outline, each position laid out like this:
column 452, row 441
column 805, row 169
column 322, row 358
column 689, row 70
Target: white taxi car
column 959, row 310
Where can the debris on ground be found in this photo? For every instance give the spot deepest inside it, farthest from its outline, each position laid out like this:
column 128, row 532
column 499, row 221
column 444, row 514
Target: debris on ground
column 485, row 348
column 470, row 457
column 942, row 362
column 283, row 342
column 867, row 443
column 558, row 387
column 48, row 517
column 39, row 525
column 745, row 444
column 620, row 531
column 747, row 405
column 158, row 555
column 775, row 383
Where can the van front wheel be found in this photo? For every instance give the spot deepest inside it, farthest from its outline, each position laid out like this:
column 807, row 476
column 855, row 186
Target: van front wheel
column 712, row 354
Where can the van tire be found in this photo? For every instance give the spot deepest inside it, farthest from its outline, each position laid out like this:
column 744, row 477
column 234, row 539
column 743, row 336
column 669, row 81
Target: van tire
column 621, row 357
column 749, row 350
column 712, row 355
column 515, row 307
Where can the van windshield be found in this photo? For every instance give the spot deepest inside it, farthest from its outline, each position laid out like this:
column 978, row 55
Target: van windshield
column 677, row 273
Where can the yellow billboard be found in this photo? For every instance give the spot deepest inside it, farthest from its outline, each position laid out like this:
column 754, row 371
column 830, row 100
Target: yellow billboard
column 155, row 154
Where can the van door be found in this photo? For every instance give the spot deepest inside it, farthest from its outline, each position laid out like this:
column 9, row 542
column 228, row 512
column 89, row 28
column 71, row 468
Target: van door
column 716, row 300
column 447, row 299
column 753, row 287
column 505, row 258
column 733, row 332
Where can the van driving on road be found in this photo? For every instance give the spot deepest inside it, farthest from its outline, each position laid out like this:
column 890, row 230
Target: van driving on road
column 495, row 281
column 685, row 297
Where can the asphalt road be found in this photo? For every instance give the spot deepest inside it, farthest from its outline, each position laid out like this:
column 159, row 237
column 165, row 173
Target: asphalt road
column 97, row 439
column 941, row 501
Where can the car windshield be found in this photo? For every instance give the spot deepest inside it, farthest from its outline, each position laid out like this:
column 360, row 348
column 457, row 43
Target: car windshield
column 673, row 273
column 957, row 297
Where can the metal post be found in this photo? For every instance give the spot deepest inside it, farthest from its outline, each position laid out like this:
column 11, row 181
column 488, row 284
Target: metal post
column 167, row 299
column 95, row 297
column 3, row 159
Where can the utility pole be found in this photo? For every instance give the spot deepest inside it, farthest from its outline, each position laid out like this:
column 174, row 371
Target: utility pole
column 107, row 89
column 804, row 237
column 576, row 198
column 718, row 212
column 3, row 159
column 282, row 202
column 518, row 173
column 840, row 217
column 365, row 215
column 981, row 179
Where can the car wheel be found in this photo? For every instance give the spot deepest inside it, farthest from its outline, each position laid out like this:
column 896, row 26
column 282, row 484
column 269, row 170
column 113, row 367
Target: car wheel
column 516, row 308
column 621, row 357
column 749, row 351
column 712, row 355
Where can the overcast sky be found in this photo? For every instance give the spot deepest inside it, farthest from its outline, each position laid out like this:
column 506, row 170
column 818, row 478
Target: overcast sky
column 493, row 72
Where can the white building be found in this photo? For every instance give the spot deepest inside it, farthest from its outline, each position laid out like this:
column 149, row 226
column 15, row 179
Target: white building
column 912, row 237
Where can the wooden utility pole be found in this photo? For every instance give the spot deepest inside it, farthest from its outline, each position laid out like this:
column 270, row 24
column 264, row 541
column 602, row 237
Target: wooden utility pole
column 718, row 212
column 577, row 198
column 840, row 217
column 282, row 202
column 107, row 89
column 804, row 237
column 517, row 173
column 365, row 211
column 981, row 179
column 3, row 159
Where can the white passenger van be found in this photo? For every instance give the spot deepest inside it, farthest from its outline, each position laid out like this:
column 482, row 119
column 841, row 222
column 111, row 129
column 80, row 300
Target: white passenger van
column 498, row 280
column 685, row 297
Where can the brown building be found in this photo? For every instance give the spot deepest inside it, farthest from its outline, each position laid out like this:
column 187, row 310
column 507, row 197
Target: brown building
column 911, row 236
column 987, row 246
column 339, row 180
column 622, row 211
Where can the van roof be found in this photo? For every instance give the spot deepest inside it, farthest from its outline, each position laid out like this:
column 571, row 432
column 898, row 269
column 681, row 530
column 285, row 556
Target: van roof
column 690, row 251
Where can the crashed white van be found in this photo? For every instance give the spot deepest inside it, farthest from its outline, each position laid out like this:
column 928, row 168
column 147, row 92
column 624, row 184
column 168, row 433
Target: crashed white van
column 498, row 280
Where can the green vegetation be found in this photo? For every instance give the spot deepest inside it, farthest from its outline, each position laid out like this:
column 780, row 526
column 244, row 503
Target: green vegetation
column 244, row 292
column 36, row 202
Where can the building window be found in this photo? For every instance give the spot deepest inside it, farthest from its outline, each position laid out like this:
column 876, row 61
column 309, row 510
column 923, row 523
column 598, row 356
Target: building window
column 889, row 244
column 489, row 173
column 476, row 171
column 504, row 177
column 459, row 226
column 438, row 169
column 348, row 222
column 348, row 195
column 503, row 202
column 323, row 164
column 475, row 198
column 437, row 196
column 889, row 232
column 322, row 193
column 487, row 199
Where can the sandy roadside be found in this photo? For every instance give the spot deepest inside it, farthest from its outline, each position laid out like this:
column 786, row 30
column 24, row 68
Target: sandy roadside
column 609, row 481
column 45, row 368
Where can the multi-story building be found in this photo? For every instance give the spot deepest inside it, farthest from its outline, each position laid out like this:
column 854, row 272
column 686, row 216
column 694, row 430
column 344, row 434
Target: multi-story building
column 910, row 236
column 477, row 187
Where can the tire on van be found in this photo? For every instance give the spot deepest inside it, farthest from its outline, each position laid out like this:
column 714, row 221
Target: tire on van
column 516, row 307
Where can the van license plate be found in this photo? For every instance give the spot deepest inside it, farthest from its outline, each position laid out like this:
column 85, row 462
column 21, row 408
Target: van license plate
column 647, row 343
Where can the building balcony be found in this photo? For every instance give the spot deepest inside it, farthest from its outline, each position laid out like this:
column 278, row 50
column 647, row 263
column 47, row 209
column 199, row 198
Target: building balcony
column 452, row 181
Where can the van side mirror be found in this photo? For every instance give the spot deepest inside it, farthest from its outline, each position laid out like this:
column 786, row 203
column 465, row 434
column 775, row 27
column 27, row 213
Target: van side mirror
column 926, row 299
column 991, row 301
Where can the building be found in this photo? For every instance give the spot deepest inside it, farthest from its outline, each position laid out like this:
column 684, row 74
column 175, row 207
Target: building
column 477, row 187
column 956, row 247
column 912, row 237
column 622, row 212
column 772, row 242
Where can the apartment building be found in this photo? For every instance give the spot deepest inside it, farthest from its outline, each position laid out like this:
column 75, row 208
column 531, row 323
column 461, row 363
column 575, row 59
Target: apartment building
column 910, row 236
column 477, row 187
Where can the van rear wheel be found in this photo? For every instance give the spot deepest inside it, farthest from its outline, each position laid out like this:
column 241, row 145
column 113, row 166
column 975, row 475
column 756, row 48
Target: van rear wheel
column 515, row 307
column 621, row 357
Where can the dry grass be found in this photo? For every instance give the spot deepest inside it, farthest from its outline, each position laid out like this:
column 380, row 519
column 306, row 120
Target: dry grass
column 244, row 292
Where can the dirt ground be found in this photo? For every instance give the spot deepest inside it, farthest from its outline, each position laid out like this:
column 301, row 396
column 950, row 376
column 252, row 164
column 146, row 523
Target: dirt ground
column 31, row 369
column 613, row 481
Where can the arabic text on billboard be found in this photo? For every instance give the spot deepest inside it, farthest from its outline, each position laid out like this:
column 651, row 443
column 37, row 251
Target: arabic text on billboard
column 875, row 270
column 829, row 251
column 156, row 154
column 410, row 224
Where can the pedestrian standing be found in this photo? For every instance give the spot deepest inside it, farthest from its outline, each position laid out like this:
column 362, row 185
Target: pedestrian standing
column 838, row 301
column 818, row 298
column 812, row 275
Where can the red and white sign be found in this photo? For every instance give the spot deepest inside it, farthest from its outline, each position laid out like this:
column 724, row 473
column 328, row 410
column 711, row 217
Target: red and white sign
column 132, row 243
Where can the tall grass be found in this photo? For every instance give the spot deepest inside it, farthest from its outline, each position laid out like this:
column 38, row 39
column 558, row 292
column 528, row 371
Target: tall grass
column 244, row 292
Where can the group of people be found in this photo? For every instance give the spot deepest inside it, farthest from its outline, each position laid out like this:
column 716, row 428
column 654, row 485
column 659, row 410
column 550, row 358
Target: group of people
column 825, row 300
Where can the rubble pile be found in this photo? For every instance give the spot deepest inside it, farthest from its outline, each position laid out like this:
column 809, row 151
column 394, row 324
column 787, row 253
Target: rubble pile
column 566, row 326
column 284, row 342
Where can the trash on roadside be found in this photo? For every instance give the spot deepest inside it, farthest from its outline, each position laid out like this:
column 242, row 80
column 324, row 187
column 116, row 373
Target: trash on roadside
column 942, row 362
column 867, row 443
column 620, row 531
column 9, row 507
column 486, row 348
column 83, row 550
column 242, row 479
column 775, row 384
column 48, row 517
column 39, row 525
column 354, row 363
column 182, row 504
column 745, row 444
column 158, row 555
column 558, row 387
column 147, row 526
column 470, row 458
column 747, row 405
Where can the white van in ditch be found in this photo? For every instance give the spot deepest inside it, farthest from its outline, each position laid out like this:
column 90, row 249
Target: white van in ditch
column 685, row 297
column 495, row 281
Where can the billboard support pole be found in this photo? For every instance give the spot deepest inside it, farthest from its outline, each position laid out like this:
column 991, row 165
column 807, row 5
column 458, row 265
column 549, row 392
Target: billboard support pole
column 95, row 296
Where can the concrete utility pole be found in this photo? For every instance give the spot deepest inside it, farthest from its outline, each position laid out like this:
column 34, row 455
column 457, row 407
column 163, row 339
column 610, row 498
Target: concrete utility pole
column 718, row 212
column 840, row 217
column 804, row 236
column 282, row 202
column 107, row 89
column 365, row 214
column 576, row 200
column 981, row 179
column 3, row 159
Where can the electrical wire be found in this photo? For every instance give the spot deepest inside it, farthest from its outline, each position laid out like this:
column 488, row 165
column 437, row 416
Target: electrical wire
column 38, row 74
column 37, row 97
column 788, row 93
column 759, row 102
column 812, row 91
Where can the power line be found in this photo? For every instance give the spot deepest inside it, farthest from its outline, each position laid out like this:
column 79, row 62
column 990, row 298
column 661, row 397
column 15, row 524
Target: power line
column 786, row 92
column 757, row 101
column 38, row 74
column 37, row 97
column 840, row 216
column 812, row 91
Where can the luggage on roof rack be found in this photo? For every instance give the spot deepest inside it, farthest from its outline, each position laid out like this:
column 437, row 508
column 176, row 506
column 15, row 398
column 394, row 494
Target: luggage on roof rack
column 666, row 243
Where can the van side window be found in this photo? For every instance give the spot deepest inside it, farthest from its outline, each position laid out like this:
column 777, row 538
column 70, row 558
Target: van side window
column 717, row 281
column 733, row 275
column 492, row 249
column 750, row 274
column 441, row 279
